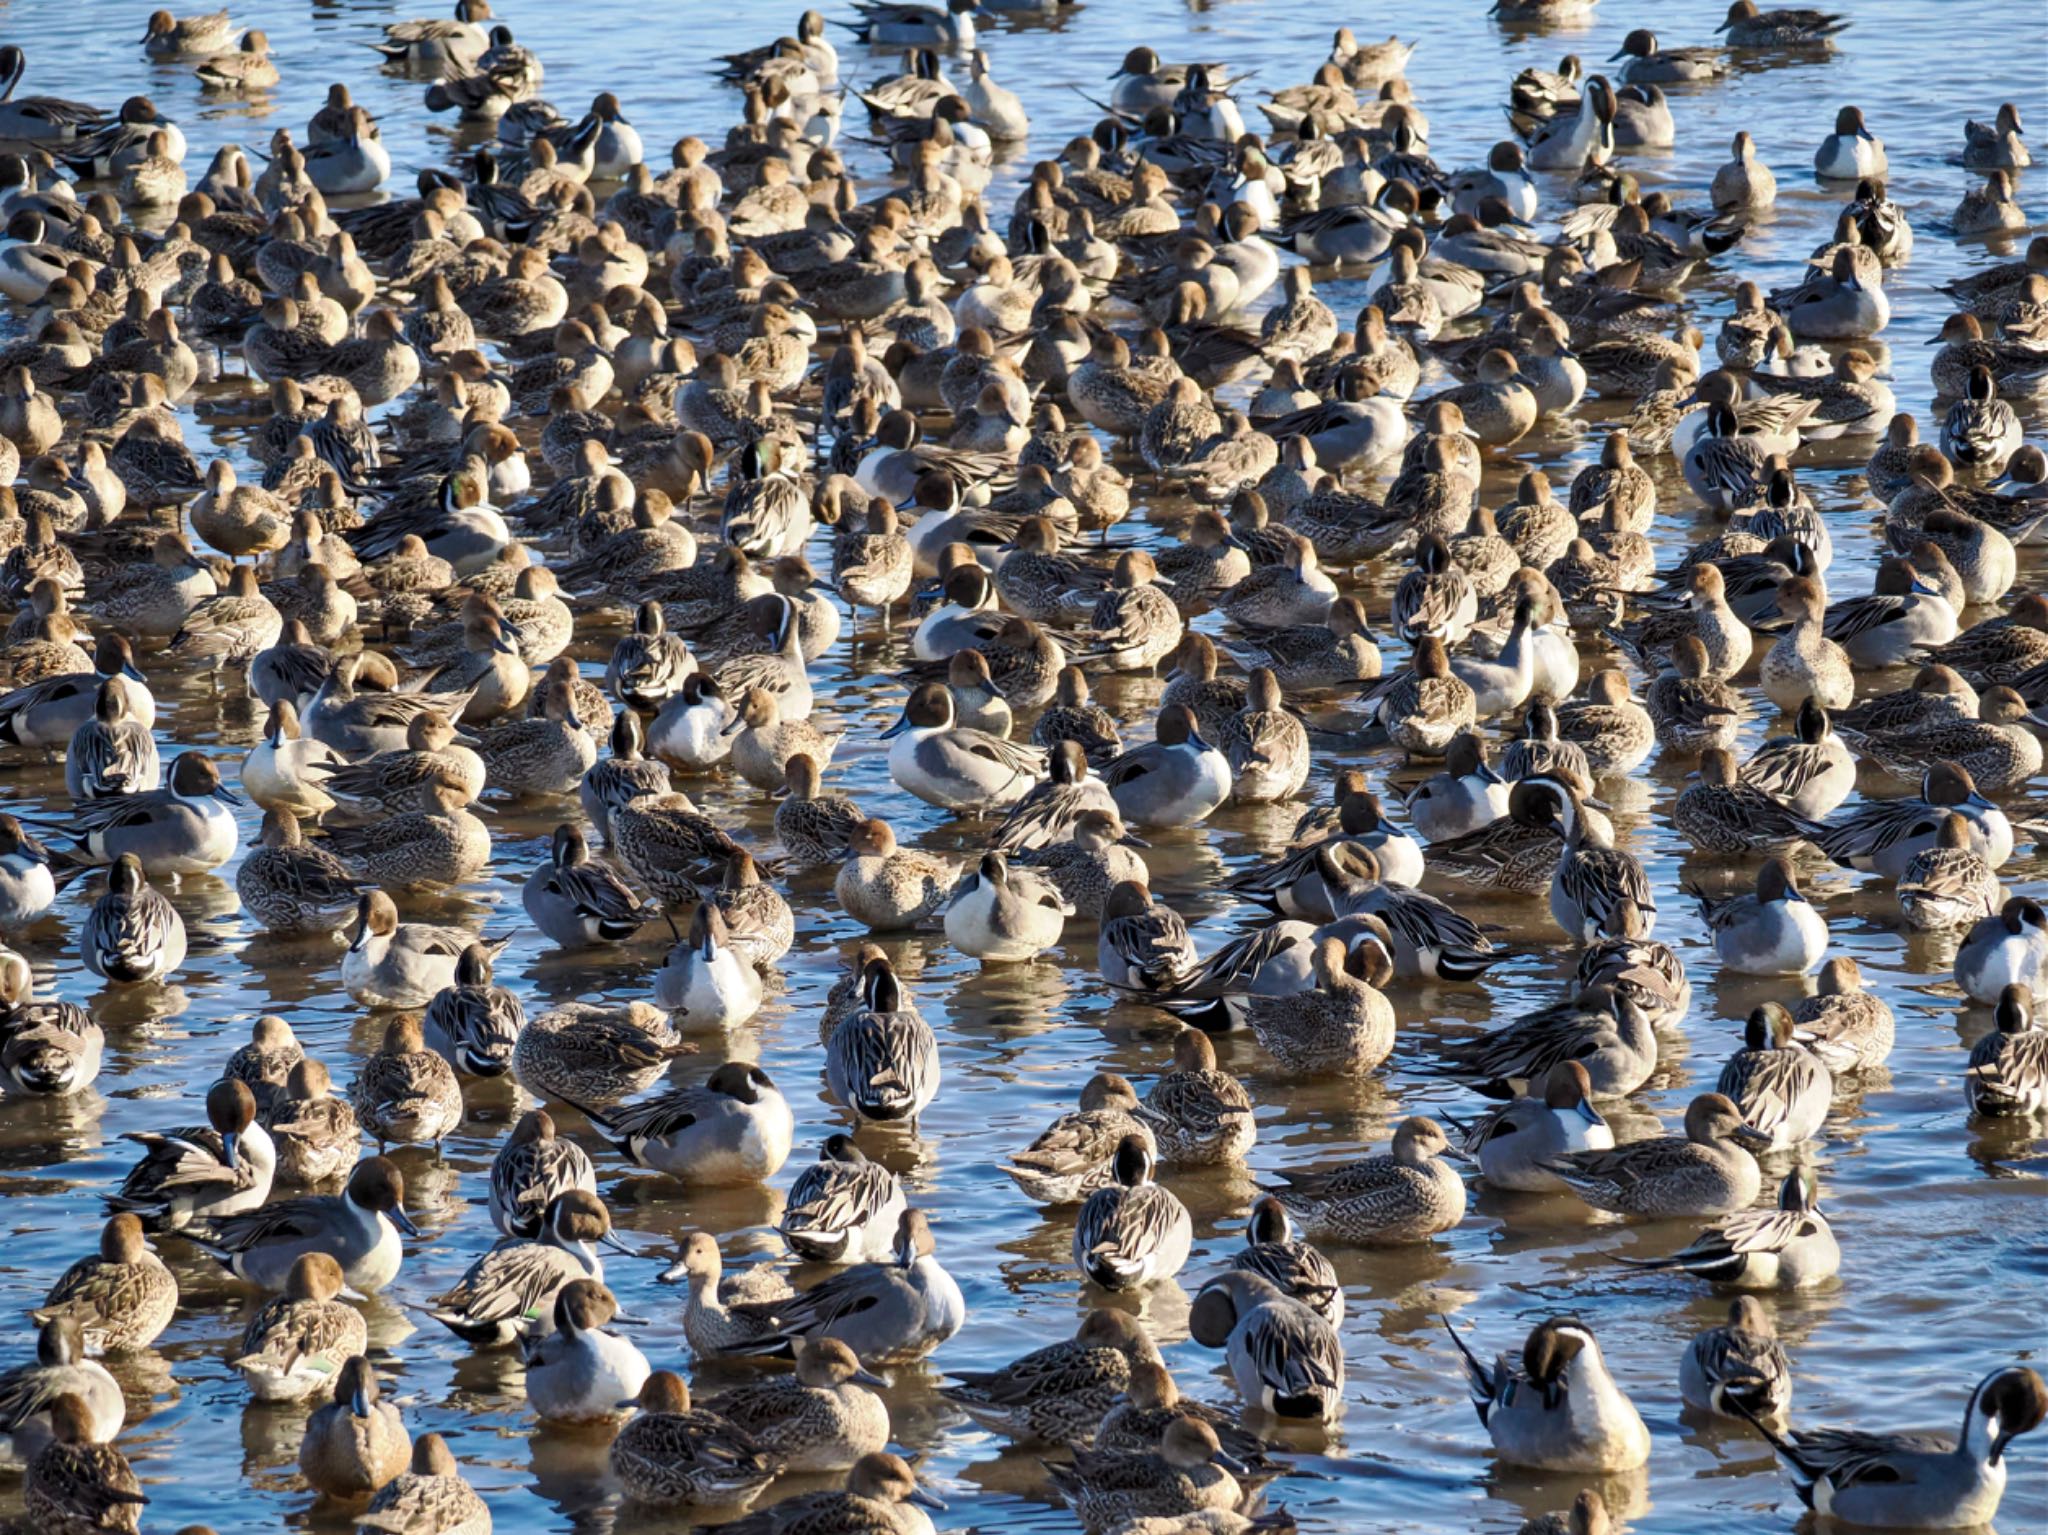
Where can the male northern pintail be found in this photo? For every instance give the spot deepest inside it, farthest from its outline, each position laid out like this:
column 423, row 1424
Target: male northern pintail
column 1189, row 1473
column 881, row 1057
column 1852, row 152
column 1467, row 795
column 843, row 1208
column 895, row 24
column 670, row 1455
column 1791, row 1247
column 1176, row 780
column 509, row 1291
column 1592, row 876
column 185, row 827
column 1917, row 1481
column 705, row 981
column 356, row 1442
column 734, row 1128
column 1710, row 1170
column 1296, row 1268
column 576, row 900
column 122, row 1297
column 1284, row 1358
column 1131, row 1232
column 1058, row 1394
column 888, row 887
column 1809, row 772
column 2008, row 1071
column 1739, row 1362
column 1514, row 1143
column 398, row 964
column 579, row 1373
column 887, row 1313
column 1143, row 945
column 202, row 1172
column 1883, row 836
column 28, row 1392
column 1774, row 931
column 2008, row 949
column 359, row 1228
column 295, row 1346
column 1556, row 1408
column 952, row 767
column 1781, row 1087
column 1407, row 1195
column 999, row 914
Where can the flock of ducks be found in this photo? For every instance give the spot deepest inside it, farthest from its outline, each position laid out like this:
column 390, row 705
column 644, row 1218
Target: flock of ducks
column 560, row 397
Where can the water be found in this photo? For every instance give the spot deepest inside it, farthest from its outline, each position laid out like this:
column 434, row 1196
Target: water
column 1939, row 1219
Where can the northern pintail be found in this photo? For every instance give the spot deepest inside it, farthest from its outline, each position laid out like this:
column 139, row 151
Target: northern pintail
column 1189, row 1473
column 359, row 1228
column 1046, row 815
column 2008, row 949
column 733, row 1129
column 1774, row 931
column 955, row 768
column 1557, row 1408
column 881, row 1058
column 887, row 1313
column 431, row 1498
column 1781, row 1087
column 1710, row 1170
column 1649, row 973
column 576, row 900
column 1809, row 772
column 1849, row 1028
column 843, row 1208
column 1883, row 836
column 1466, row 796
column 76, row 1480
column 1177, row 780
column 406, row 1093
column 670, row 1455
column 712, row 1328
column 47, row 1049
column 1917, row 1481
column 315, row 1132
column 1723, row 813
column 579, row 1373
column 882, row 1494
column 1593, row 877
column 1199, row 1116
column 201, row 1172
column 2008, row 1071
column 356, row 1443
column 1143, row 945
column 29, row 1392
column 295, row 1346
column 1058, row 1394
column 1284, row 1358
column 121, row 1298
column 1604, row 1029
column 1997, row 749
column 706, row 982
column 1003, row 915
column 185, row 827
column 1609, row 725
column 1739, row 1362
column 1131, row 1232
column 1342, row 1023
column 1296, row 1268
column 1948, row 885
column 1791, row 1247
column 398, row 964
column 888, row 887
column 825, row 1417
column 1588, row 1514
column 114, row 752
column 1075, row 1155
column 1426, row 937
column 1408, row 1195
column 1804, row 662
column 508, row 1293
column 1514, row 1143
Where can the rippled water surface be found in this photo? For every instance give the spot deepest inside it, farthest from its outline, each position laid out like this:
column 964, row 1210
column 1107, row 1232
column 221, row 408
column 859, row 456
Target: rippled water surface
column 1940, row 1221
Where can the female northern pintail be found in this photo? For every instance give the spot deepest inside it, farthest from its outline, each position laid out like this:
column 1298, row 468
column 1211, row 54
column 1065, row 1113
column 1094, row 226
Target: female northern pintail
column 1342, row 1023
column 1774, row 931
column 1883, row 836
column 1000, row 915
column 1189, row 1473
column 201, row 1172
column 1781, row 1087
column 670, row 1455
column 47, row 1049
column 121, row 1298
column 1723, row 814
column 315, row 1131
column 359, row 1228
column 705, row 981
column 843, row 1208
column 29, row 1392
column 509, row 1292
column 735, row 1128
column 888, row 887
column 1804, row 662
column 398, row 964
column 579, row 1373
column 813, row 827
column 1407, row 1195
column 825, row 1417
column 1131, row 1232
column 711, row 1327
column 887, row 1313
column 406, row 1093
column 1948, row 885
column 1615, row 732
column 1741, row 1362
column 1809, row 772
column 429, row 1499
column 1849, row 1028
column 1075, row 1155
column 1710, row 1170
column 1747, row 26
column 881, row 1058
column 1917, row 1481
column 955, row 768
column 1058, row 1394
column 575, row 900
column 2008, row 1071
column 1604, row 1030
column 1791, row 1247
column 1556, row 1408
column 1284, row 1358
column 356, row 1442
column 1272, row 1251
column 185, row 827
column 882, row 1495
column 1514, row 1143
column 295, row 1345
column 764, row 742
column 1647, row 972
column 532, row 1169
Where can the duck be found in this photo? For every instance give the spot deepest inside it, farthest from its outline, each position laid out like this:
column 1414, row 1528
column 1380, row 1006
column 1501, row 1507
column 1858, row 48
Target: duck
column 1343, row 1023
column 823, row 1418
column 1805, row 662
column 356, row 1442
column 706, row 981
column 1774, row 931
column 296, row 1345
column 2010, row 948
column 1918, row 1481
column 1075, row 1155
column 1513, row 1143
column 670, row 1455
column 1809, row 772
column 881, row 1058
column 1131, row 1232
column 431, row 1496
column 359, row 1228
column 1407, row 1195
column 952, row 767
column 888, row 887
column 1741, row 1361
column 1710, row 1170
column 1852, row 152
column 121, row 1298
column 1284, row 1358
column 29, row 1392
column 1781, row 1087
column 882, row 1493
column 843, row 1208
column 1294, row 1267
column 532, row 1169
column 887, row 1313
column 508, row 1293
column 2008, row 1070
column 1557, row 1408
column 77, row 1481
column 1002, row 915
column 577, row 901
column 1789, row 1248
column 186, row 827
column 734, row 1128
column 47, row 1049
column 1059, row 1394
column 406, row 1093
column 1189, row 1472
column 394, row 964
column 1605, row 1029
column 578, row 1372
column 1883, row 836
column 1948, row 885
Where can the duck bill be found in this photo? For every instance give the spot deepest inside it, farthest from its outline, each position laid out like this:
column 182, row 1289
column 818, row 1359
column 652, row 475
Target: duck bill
column 611, row 1239
column 735, row 725
column 403, row 1221
column 230, row 1150
column 1752, row 1139
column 675, row 1273
column 1229, row 1463
column 924, row 1499
column 896, row 729
column 870, row 1379
column 227, row 795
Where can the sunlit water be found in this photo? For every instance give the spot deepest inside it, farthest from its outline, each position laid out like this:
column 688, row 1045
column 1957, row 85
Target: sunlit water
column 1939, row 1220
